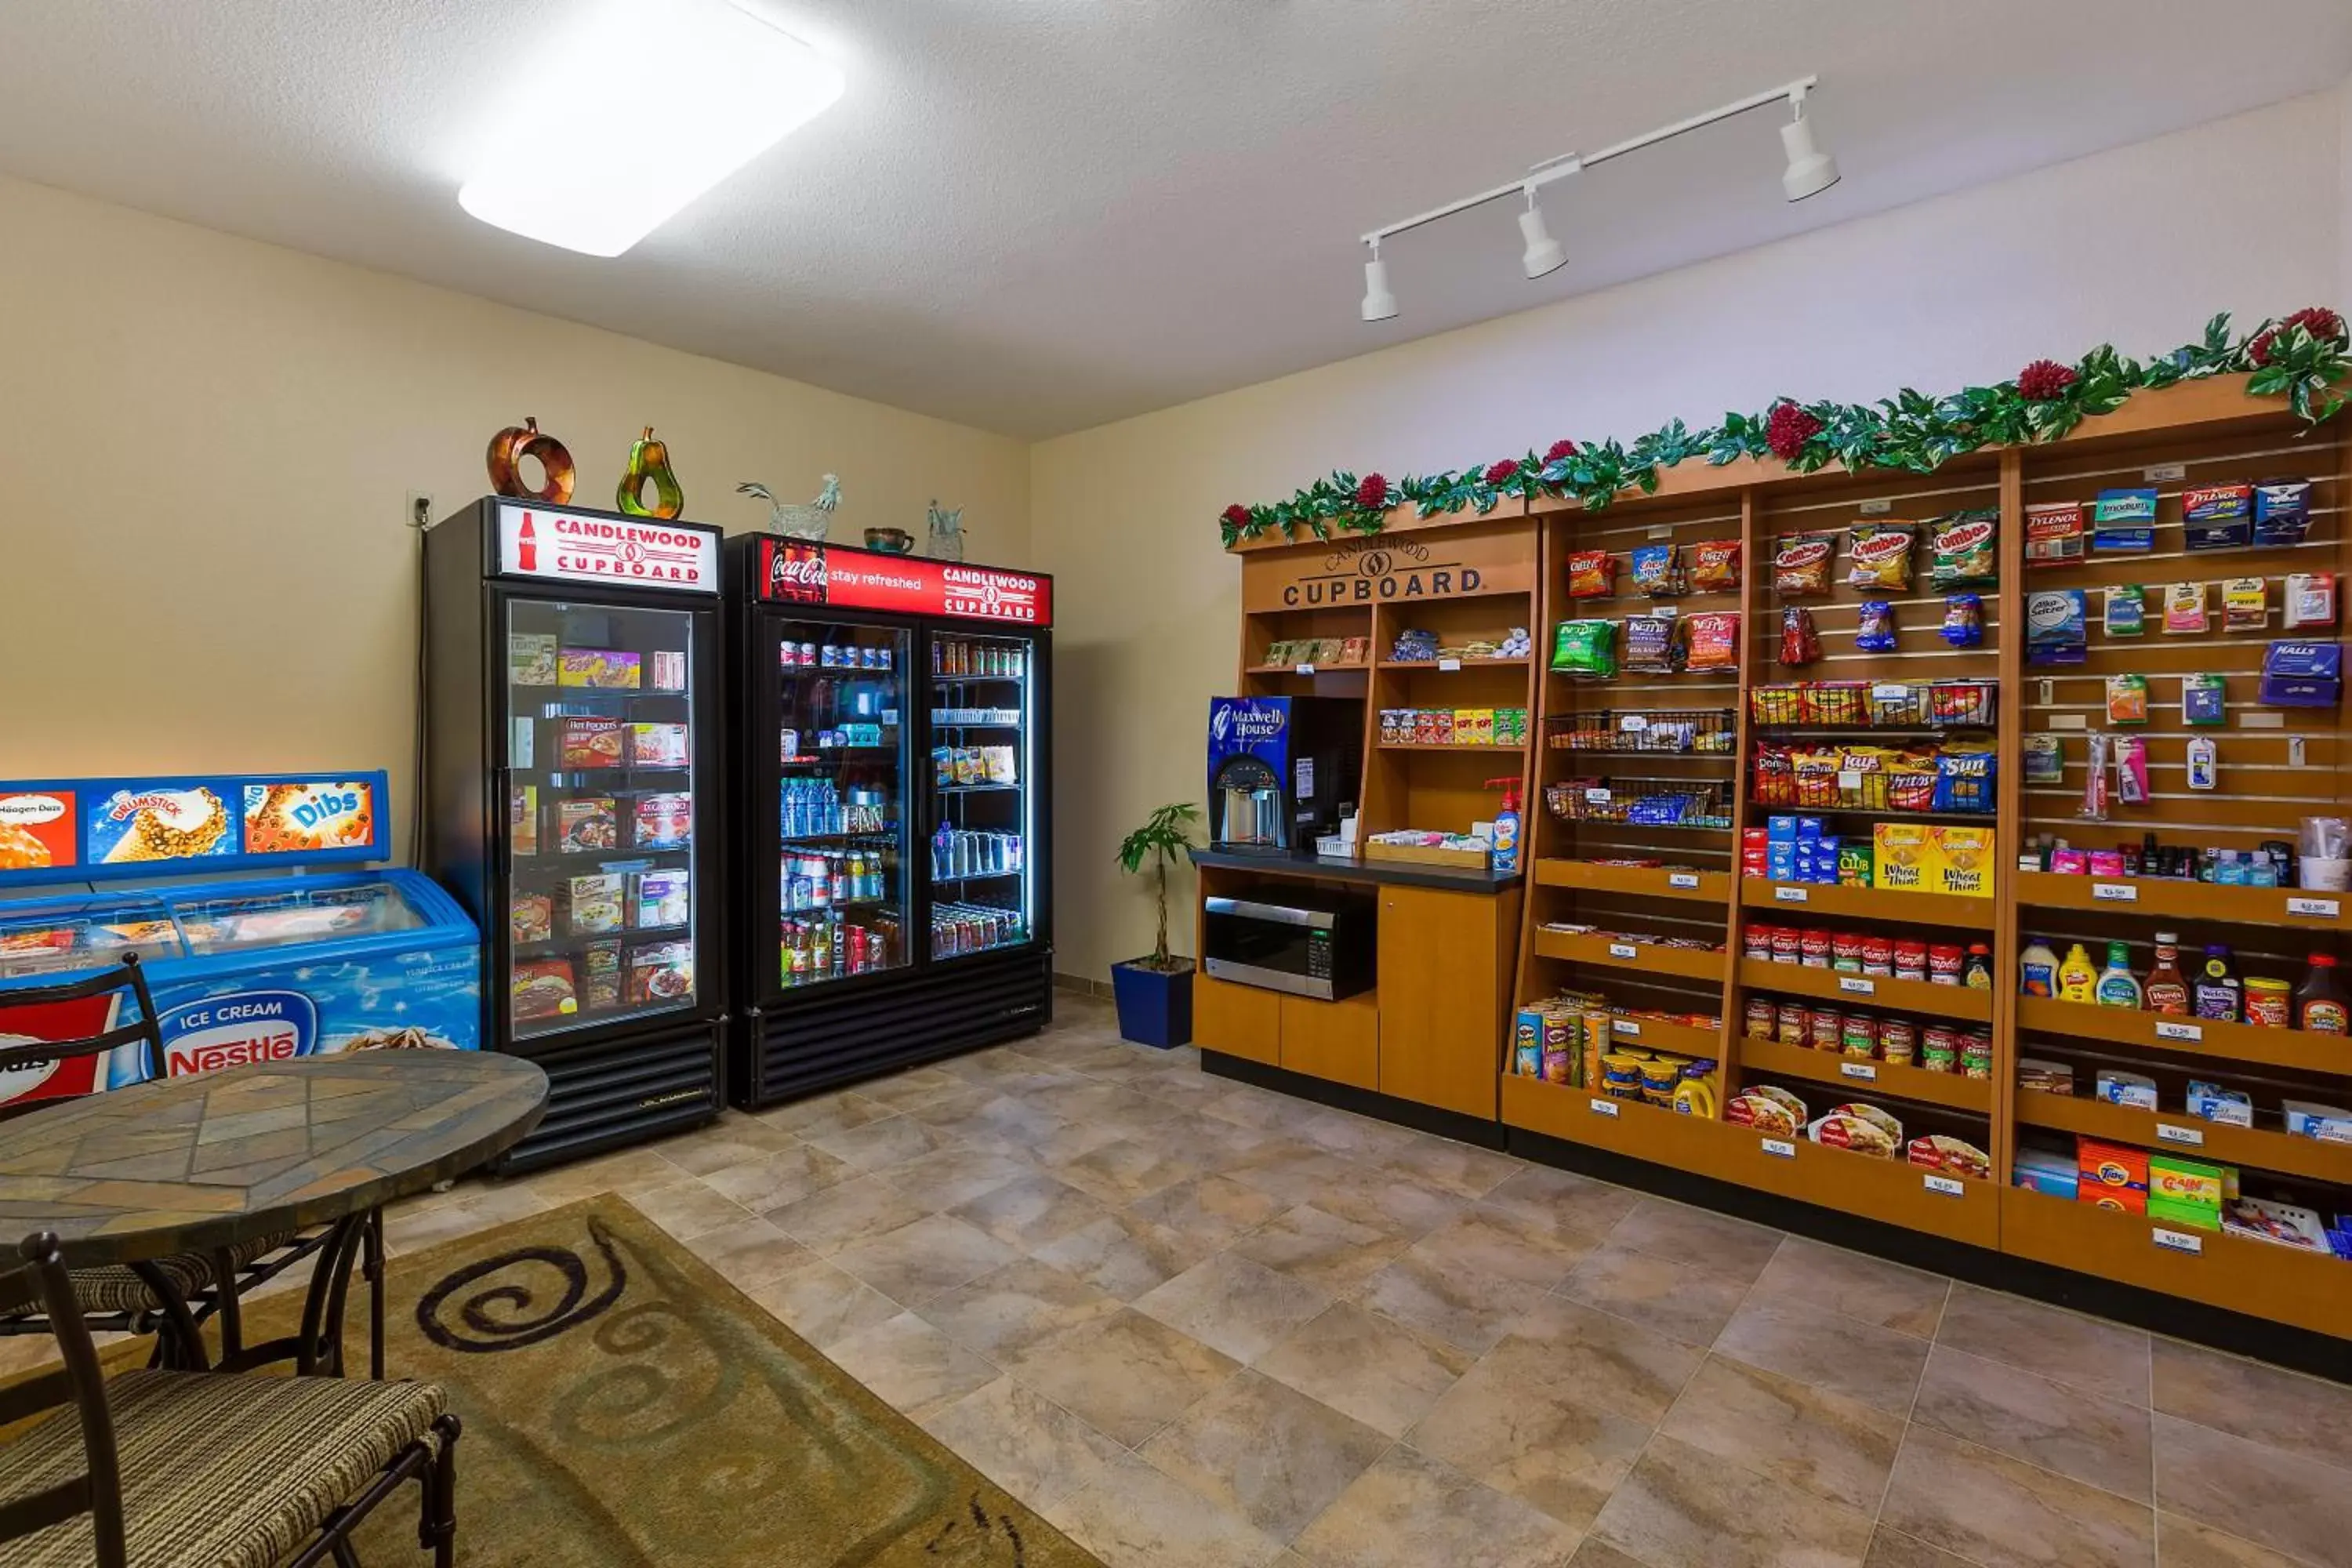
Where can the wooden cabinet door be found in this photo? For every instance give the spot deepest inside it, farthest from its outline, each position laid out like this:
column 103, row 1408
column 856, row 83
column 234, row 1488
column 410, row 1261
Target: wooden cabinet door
column 1239, row 1020
column 1444, row 964
column 1339, row 1041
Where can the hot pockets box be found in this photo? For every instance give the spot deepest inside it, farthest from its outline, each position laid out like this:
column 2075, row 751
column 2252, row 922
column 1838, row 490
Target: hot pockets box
column 592, row 742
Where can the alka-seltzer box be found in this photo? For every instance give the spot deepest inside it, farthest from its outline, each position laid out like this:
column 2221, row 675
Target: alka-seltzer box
column 658, row 746
column 602, row 668
column 591, row 904
column 659, row 898
column 1961, row 859
column 1903, row 855
column 530, row 659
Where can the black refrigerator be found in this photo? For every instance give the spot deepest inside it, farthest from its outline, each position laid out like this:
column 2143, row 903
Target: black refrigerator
column 573, row 691
column 888, row 759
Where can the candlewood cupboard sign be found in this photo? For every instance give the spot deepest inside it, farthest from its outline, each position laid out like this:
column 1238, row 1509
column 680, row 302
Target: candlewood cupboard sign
column 1398, row 568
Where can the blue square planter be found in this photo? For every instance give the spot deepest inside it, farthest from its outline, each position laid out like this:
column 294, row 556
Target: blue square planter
column 1154, row 1009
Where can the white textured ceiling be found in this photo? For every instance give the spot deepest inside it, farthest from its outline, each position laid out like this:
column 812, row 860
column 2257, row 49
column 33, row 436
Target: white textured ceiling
column 1035, row 216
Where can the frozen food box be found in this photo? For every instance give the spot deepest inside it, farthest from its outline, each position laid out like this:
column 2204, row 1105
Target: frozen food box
column 542, row 988
column 591, row 743
column 599, row 974
column 661, row 972
column 522, row 819
column 660, row 899
column 664, row 821
column 602, row 667
column 591, row 904
column 658, row 746
column 530, row 917
column 530, row 659
column 588, row 826
column 669, row 669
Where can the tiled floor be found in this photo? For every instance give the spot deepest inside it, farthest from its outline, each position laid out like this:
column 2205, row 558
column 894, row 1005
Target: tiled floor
column 1195, row 1323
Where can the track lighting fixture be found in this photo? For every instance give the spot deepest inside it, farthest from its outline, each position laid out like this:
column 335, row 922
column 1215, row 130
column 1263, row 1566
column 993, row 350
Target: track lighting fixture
column 1810, row 172
column 1379, row 303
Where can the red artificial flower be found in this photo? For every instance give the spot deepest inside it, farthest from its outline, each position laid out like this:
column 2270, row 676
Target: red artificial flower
column 2043, row 380
column 1235, row 516
column 1788, row 429
column 2317, row 319
column 1501, row 471
column 1372, row 494
column 1560, row 449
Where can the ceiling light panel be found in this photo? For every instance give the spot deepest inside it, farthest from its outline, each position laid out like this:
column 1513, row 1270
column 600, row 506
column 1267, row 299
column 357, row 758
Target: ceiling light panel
column 634, row 111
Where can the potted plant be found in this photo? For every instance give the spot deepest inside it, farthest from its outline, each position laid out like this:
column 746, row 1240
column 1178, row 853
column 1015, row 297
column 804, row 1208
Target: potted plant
column 1155, row 993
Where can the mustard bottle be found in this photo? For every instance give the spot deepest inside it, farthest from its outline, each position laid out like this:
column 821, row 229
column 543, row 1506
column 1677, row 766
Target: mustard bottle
column 2078, row 977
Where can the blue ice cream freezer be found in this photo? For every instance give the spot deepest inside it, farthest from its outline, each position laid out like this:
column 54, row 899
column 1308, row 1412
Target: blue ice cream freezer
column 241, row 969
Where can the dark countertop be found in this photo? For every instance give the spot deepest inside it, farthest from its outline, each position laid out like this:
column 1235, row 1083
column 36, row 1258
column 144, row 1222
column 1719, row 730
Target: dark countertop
column 1391, row 873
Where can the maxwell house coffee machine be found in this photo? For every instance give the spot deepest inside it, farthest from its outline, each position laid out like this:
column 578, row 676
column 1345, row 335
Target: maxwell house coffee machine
column 1279, row 768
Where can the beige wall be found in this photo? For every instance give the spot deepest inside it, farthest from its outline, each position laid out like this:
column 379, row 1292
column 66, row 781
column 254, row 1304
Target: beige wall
column 2136, row 245
column 202, row 557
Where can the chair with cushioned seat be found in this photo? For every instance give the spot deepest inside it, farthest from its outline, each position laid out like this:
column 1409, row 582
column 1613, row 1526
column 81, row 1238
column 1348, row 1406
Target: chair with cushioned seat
column 171, row 1297
column 174, row 1470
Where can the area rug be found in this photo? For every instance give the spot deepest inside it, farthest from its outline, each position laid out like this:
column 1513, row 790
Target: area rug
column 625, row 1406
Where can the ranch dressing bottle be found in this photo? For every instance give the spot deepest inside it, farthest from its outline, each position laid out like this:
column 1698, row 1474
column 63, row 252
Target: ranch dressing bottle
column 2118, row 987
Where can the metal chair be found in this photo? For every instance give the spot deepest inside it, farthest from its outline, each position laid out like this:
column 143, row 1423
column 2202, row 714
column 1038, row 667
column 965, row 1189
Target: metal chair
column 176, row 1467
column 172, row 1296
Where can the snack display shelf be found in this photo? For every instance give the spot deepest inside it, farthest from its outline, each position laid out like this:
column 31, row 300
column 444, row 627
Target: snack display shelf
column 2224, row 1042
column 1891, row 1191
column 1450, row 747
column 1653, row 881
column 1757, row 810
column 1922, row 998
column 1450, row 665
column 1657, row 1035
column 2169, row 898
column 1246, row 669
column 2180, row 1133
column 1870, row 903
column 2266, row 1279
column 1614, row 952
column 1771, row 1058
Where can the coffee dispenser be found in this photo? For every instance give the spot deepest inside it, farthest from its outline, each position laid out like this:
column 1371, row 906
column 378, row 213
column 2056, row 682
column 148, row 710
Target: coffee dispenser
column 1279, row 768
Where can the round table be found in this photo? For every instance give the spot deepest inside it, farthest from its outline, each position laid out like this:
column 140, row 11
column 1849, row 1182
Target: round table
column 203, row 1163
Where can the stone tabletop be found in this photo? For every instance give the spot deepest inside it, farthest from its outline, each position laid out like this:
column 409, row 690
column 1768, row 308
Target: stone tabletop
column 191, row 1163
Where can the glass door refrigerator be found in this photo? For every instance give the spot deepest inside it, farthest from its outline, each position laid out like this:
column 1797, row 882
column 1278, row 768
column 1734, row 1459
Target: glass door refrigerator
column 887, row 761
column 572, row 689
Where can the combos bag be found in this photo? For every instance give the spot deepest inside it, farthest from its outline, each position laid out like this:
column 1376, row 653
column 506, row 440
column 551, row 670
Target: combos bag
column 1800, row 567
column 1962, row 551
column 1878, row 556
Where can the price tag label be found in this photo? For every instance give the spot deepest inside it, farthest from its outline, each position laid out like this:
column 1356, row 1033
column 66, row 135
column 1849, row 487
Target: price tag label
column 1867, row 1072
column 1890, row 692
column 2164, row 473
column 1681, row 879
column 2115, row 892
column 1449, row 663
column 1624, row 950
column 1603, row 1107
column 1850, row 780
column 1662, row 531
column 2166, row 1029
column 1878, row 507
column 1634, row 723
column 2069, row 721
column 1780, row 1148
column 1856, row 985
column 1948, row 1185
column 2165, row 1133
column 2175, row 1241
column 2261, row 721
column 2313, row 909
column 1625, row 1027
column 1596, row 797
column 1788, row 895
column 1303, row 670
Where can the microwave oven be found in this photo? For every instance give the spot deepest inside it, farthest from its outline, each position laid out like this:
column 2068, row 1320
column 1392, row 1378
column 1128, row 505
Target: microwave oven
column 1306, row 940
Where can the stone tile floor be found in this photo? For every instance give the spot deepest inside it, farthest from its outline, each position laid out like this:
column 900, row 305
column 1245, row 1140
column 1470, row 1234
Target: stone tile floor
column 1196, row 1323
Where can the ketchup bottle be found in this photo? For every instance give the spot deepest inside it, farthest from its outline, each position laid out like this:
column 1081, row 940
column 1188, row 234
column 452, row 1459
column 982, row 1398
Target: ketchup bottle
column 2319, row 1006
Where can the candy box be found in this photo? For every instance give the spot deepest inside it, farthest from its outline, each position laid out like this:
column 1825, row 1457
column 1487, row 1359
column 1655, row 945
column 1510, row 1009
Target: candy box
column 659, row 898
column 2173, row 1180
column 591, row 904
column 591, row 743
column 602, row 667
column 2211, row 1103
column 599, row 974
column 530, row 917
column 530, row 659
column 2111, row 1166
column 542, row 988
column 2302, row 674
column 658, row 746
column 1962, row 860
column 1903, row 855
column 661, row 972
column 588, row 826
column 2218, row 517
column 664, row 821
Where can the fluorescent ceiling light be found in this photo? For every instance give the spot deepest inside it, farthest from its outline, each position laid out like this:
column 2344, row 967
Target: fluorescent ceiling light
column 617, row 123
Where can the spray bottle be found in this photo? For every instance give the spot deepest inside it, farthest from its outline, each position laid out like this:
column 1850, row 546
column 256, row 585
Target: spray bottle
column 1506, row 824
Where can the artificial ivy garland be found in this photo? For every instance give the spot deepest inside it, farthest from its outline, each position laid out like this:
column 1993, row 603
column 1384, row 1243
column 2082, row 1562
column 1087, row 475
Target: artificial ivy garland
column 2302, row 358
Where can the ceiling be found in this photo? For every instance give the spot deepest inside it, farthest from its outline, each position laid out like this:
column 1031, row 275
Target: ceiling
column 1035, row 216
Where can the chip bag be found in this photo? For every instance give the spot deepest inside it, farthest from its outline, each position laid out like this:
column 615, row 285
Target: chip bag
column 1800, row 644
column 1874, row 632
column 1658, row 571
column 1715, row 566
column 1585, row 648
column 1964, row 620
column 1964, row 552
column 1800, row 567
column 1714, row 640
column 1878, row 556
column 1652, row 647
column 1592, row 575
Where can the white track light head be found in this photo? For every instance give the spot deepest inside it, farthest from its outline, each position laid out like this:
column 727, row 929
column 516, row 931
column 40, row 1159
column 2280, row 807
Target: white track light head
column 1810, row 170
column 1543, row 253
column 1380, row 305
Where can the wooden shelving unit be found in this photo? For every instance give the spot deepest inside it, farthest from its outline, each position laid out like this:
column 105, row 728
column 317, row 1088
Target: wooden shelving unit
column 1640, row 956
column 1821, row 901
column 1914, row 1083
column 1650, row 882
column 1920, row 998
